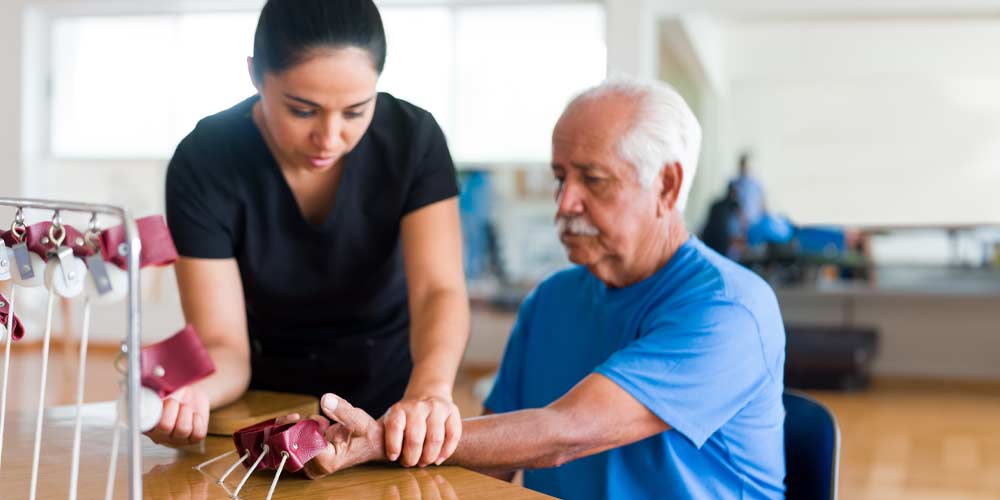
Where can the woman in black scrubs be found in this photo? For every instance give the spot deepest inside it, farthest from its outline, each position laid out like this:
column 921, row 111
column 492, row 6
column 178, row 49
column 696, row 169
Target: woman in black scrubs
column 318, row 227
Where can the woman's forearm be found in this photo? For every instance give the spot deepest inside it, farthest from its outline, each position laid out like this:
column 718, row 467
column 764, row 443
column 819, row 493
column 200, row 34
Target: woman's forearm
column 231, row 377
column 439, row 333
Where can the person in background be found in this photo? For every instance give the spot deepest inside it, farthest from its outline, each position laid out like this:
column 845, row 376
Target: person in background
column 749, row 193
column 724, row 224
column 317, row 223
column 653, row 368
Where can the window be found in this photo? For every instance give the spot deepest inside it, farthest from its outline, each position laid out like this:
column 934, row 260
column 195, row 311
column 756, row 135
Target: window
column 134, row 86
column 495, row 77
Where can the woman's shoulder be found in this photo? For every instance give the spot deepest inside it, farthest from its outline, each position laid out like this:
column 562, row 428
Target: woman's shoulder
column 401, row 121
column 215, row 137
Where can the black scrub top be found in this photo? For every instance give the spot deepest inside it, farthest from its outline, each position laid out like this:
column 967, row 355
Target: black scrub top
column 326, row 304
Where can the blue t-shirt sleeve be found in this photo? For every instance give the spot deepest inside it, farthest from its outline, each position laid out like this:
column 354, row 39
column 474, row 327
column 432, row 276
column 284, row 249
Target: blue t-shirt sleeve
column 693, row 367
column 506, row 393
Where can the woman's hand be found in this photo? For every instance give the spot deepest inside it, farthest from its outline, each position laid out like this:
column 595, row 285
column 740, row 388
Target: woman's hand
column 422, row 430
column 185, row 418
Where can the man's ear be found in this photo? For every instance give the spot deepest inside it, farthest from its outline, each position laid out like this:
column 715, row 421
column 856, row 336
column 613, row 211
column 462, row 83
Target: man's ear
column 669, row 182
column 253, row 79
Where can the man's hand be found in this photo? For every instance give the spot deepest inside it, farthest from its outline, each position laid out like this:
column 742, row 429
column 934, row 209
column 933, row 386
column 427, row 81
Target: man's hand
column 354, row 438
column 185, row 418
column 422, row 431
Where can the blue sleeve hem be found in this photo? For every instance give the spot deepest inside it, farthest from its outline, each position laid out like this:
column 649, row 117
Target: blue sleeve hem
column 690, row 430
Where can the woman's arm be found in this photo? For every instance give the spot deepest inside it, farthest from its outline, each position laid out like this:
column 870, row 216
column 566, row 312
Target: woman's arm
column 425, row 427
column 212, row 298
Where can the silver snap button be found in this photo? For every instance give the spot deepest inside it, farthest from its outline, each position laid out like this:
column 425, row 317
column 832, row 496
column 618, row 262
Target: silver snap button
column 159, row 371
column 45, row 240
column 123, row 249
column 78, row 241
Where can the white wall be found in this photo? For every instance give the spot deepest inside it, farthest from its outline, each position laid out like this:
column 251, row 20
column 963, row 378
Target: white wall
column 869, row 121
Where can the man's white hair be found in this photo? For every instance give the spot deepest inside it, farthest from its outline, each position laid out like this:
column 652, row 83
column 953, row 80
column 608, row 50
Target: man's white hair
column 664, row 131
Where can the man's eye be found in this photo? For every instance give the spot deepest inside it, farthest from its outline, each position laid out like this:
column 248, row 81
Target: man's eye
column 592, row 180
column 352, row 115
column 302, row 113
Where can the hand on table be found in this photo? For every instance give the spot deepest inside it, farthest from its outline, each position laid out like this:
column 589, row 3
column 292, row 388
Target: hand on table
column 184, row 420
column 422, row 431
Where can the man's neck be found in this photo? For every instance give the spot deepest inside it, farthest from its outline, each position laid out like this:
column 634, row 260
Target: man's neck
column 661, row 248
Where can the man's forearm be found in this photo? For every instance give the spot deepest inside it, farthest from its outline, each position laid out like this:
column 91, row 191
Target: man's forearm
column 526, row 439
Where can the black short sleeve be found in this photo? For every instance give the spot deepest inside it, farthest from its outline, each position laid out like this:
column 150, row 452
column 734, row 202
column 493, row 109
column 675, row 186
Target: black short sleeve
column 434, row 178
column 196, row 209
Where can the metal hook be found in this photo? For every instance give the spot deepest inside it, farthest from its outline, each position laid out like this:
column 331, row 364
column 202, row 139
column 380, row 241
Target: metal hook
column 93, row 233
column 57, row 226
column 17, row 227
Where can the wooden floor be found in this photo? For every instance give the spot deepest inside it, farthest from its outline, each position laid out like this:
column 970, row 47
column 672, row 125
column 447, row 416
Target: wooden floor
column 901, row 439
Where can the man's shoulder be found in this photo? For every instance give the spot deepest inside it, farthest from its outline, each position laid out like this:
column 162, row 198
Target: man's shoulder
column 708, row 278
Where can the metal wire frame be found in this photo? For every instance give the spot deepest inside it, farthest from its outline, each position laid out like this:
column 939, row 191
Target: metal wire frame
column 134, row 334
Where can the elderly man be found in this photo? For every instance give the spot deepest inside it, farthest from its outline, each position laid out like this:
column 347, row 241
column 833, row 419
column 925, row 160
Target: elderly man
column 653, row 369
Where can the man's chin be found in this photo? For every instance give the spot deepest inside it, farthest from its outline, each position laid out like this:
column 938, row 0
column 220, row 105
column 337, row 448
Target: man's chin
column 578, row 254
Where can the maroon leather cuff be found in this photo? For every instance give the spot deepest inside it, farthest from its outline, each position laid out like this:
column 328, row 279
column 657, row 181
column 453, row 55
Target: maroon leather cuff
column 301, row 440
column 157, row 245
column 17, row 329
column 36, row 237
column 175, row 362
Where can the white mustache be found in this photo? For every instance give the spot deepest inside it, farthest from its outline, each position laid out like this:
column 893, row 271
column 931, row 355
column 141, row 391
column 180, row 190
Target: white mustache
column 575, row 225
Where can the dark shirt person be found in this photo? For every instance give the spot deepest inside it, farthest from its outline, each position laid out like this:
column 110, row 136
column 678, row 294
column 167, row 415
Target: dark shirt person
column 318, row 227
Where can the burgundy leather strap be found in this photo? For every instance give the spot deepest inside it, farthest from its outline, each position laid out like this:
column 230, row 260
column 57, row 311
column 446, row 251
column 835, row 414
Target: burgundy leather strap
column 301, row 440
column 175, row 362
column 157, row 245
column 16, row 326
column 34, row 238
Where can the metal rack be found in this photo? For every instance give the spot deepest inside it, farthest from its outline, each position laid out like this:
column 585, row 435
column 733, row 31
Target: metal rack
column 132, row 344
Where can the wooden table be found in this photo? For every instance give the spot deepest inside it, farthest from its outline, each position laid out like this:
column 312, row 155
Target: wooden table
column 169, row 473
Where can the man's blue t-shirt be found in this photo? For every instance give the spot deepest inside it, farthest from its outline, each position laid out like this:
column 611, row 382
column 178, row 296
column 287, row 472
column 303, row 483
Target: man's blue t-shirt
column 700, row 343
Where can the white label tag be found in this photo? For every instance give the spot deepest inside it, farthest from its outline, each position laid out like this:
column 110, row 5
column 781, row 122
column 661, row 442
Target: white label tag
column 4, row 262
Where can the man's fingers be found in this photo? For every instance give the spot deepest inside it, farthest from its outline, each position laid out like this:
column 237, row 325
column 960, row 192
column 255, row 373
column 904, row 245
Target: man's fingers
column 322, row 464
column 324, row 424
column 435, row 437
column 287, row 419
column 340, row 410
column 453, row 434
column 395, row 425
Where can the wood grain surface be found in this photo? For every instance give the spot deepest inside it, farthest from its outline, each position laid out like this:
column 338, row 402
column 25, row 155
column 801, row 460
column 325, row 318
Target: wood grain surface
column 170, row 474
column 256, row 406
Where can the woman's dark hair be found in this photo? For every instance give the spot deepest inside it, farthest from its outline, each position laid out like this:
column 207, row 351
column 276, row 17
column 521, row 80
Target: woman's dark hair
column 289, row 30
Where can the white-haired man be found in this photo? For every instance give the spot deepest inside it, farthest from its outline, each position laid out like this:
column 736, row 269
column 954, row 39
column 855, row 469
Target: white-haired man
column 653, row 369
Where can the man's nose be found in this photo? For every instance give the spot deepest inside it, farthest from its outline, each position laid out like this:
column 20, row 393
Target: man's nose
column 570, row 199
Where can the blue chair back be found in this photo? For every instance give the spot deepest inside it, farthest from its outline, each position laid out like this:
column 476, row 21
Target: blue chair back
column 812, row 449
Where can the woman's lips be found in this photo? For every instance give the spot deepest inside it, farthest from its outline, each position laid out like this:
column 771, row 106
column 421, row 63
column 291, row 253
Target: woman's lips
column 320, row 161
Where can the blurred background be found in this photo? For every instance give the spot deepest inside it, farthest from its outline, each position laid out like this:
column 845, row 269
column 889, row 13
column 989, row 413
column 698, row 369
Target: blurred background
column 851, row 155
